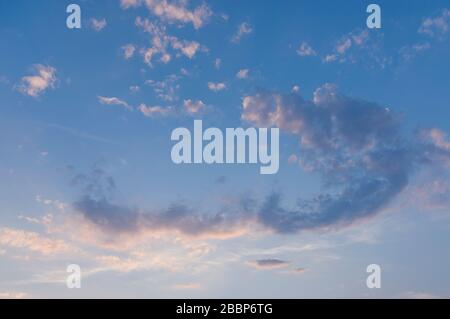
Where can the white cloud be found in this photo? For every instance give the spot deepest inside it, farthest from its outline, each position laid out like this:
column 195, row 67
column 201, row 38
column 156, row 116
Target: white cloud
column 98, row 24
column 243, row 29
column 128, row 51
column 306, row 50
column 188, row 48
column 194, row 107
column 242, row 74
column 173, row 11
column 161, row 43
column 151, row 111
column 135, row 88
column 216, row 87
column 130, row 3
column 437, row 26
column 114, row 101
column 34, row 85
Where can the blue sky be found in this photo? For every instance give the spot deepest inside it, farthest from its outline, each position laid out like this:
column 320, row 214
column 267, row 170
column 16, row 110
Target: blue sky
column 87, row 178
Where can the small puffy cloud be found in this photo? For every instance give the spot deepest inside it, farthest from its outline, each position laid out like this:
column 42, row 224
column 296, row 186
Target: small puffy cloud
column 243, row 30
column 173, row 11
column 296, row 89
column 269, row 263
column 330, row 58
column 98, row 24
column 151, row 111
column 128, row 51
column 216, row 87
column 437, row 26
column 162, row 43
column 114, row 101
column 193, row 107
column 130, row 3
column 135, row 88
column 188, row 48
column 306, row 50
column 242, row 74
column 34, row 85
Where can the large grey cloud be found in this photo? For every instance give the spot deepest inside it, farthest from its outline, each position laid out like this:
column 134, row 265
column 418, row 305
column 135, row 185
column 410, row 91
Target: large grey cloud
column 99, row 207
column 354, row 145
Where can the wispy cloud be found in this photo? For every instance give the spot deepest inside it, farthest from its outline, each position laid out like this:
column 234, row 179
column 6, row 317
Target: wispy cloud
column 33, row 242
column 114, row 101
column 242, row 30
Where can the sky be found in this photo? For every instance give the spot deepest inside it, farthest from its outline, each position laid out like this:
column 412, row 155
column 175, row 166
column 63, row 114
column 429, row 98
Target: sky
column 86, row 175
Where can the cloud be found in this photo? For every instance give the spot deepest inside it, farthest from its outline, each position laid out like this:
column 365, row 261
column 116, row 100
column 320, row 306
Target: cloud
column 269, row 263
column 409, row 52
column 243, row 30
column 114, row 101
column 306, row 50
column 151, row 111
column 173, row 11
column 165, row 90
column 135, row 88
column 437, row 26
column 97, row 208
column 128, row 51
column 355, row 47
column 354, row 145
column 130, row 3
column 242, row 74
column 33, row 242
column 162, row 42
column 35, row 85
column 216, row 87
column 98, row 24
column 194, row 107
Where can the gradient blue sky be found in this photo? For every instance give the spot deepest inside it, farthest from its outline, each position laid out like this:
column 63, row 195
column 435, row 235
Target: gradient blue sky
column 85, row 169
